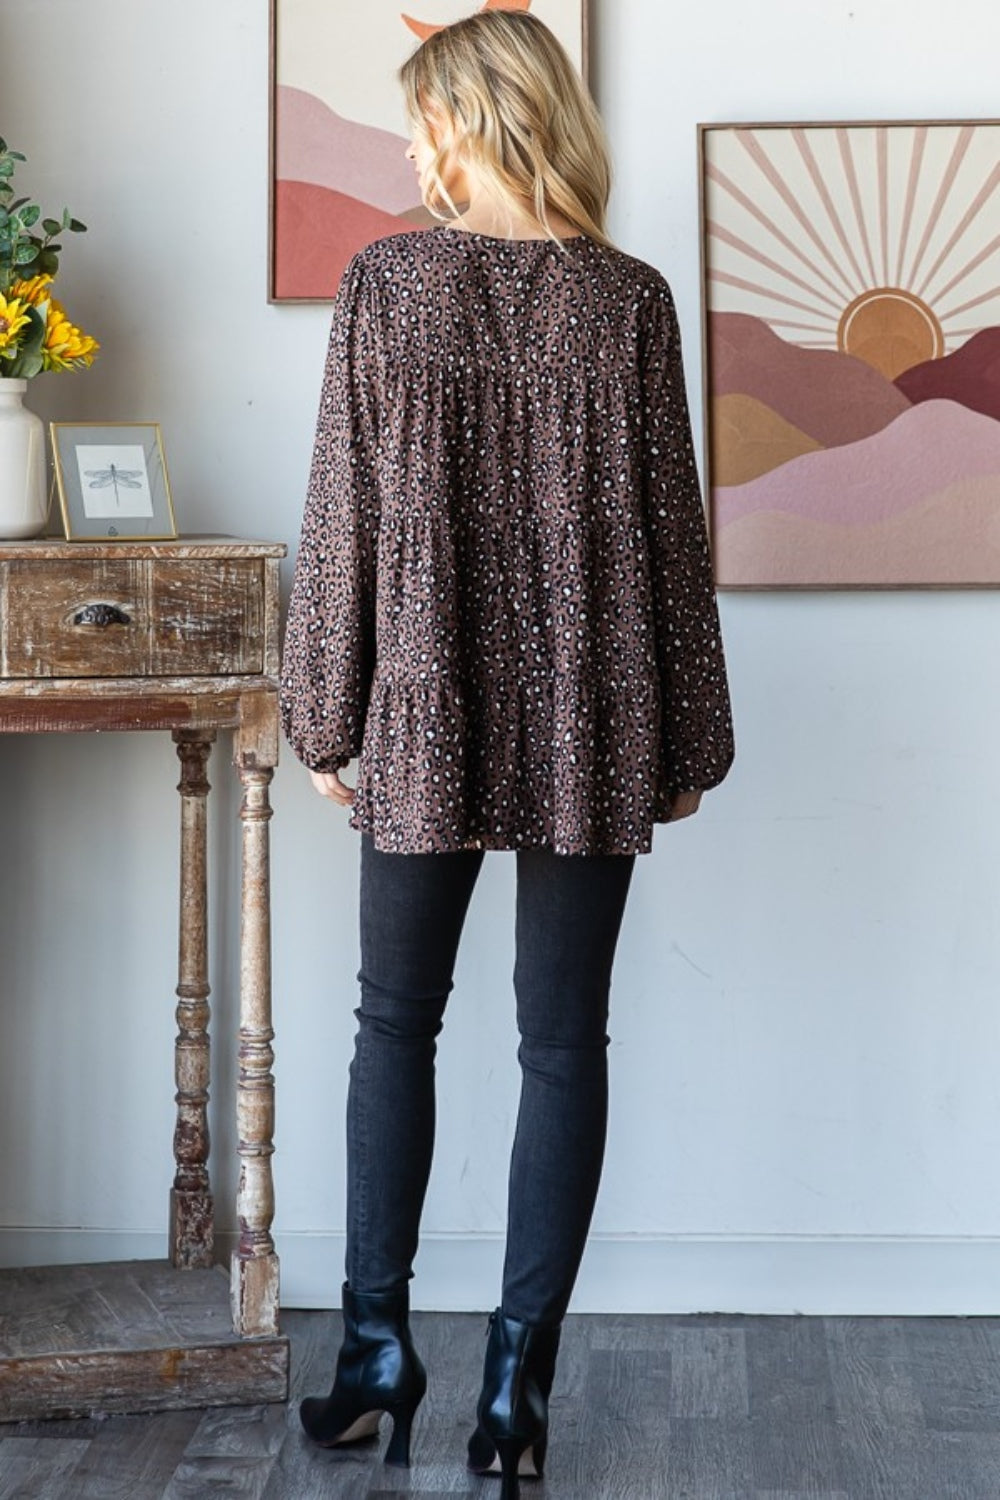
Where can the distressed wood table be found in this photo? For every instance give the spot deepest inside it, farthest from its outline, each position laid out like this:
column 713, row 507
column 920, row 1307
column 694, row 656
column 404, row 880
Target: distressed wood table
column 179, row 636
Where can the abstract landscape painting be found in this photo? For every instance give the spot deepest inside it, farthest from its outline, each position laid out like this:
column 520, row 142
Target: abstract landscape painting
column 852, row 312
column 339, row 176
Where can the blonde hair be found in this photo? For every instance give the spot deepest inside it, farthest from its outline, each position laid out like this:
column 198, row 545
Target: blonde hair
column 514, row 108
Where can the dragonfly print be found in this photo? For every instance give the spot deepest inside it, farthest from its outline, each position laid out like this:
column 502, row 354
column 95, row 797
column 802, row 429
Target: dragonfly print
column 112, row 477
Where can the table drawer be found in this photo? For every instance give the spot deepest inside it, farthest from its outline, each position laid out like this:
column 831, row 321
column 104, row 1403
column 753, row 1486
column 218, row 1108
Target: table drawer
column 132, row 617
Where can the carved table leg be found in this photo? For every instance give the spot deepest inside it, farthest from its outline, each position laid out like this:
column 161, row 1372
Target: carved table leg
column 191, row 1233
column 255, row 1264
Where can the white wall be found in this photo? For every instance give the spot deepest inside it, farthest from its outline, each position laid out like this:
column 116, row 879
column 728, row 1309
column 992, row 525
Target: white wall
column 806, row 1040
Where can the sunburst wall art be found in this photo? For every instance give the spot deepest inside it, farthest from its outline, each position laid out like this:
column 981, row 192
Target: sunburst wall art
column 339, row 176
column 852, row 329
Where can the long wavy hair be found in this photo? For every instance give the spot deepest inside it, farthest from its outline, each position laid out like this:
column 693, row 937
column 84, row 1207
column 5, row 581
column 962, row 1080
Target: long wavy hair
column 514, row 108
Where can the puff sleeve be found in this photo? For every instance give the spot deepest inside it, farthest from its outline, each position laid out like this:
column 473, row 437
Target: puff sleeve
column 697, row 735
column 329, row 646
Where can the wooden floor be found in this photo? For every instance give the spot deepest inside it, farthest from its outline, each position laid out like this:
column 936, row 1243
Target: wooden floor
column 708, row 1407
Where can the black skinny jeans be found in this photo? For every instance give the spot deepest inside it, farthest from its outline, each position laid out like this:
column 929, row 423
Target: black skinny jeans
column 413, row 906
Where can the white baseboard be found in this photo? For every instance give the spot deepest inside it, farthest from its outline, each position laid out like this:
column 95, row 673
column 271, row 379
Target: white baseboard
column 67, row 1247
column 845, row 1276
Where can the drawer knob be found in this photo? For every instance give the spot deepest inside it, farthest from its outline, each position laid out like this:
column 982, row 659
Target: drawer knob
column 101, row 615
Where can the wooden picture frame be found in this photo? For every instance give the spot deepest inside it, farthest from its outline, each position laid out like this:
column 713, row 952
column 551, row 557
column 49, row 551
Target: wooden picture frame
column 112, row 481
column 337, row 173
column 851, row 335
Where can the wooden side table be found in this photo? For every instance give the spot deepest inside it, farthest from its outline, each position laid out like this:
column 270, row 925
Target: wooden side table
column 179, row 635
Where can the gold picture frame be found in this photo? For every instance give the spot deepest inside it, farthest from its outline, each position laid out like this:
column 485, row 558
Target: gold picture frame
column 112, row 481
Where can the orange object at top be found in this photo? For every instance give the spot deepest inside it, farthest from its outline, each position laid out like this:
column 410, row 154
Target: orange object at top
column 424, row 29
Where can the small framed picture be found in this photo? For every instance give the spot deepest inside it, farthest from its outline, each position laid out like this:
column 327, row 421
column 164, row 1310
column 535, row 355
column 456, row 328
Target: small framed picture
column 112, row 481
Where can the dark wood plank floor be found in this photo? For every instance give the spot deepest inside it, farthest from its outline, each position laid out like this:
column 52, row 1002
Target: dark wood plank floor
column 708, row 1407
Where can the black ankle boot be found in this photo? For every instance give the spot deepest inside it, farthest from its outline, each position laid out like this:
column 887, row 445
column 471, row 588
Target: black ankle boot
column 513, row 1409
column 377, row 1370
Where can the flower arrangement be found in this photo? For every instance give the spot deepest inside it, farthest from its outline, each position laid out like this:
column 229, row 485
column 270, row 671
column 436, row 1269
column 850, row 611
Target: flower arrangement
column 35, row 332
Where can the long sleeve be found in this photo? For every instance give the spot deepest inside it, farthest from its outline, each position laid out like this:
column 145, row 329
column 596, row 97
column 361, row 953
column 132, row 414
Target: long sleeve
column 697, row 721
column 329, row 647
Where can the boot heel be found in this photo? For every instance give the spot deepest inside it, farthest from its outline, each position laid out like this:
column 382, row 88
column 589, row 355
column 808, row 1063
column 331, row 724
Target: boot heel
column 509, row 1450
column 513, row 1409
column 398, row 1451
column 378, row 1370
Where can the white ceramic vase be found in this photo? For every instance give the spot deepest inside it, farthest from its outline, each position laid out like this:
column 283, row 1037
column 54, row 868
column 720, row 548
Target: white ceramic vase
column 23, row 508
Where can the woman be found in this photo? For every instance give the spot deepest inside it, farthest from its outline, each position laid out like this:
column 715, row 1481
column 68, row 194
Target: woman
column 503, row 606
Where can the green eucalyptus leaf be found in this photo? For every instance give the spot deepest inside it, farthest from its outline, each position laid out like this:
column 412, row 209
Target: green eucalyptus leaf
column 48, row 262
column 29, row 355
column 29, row 215
column 51, row 226
column 65, row 219
column 29, row 365
column 26, row 365
column 6, row 167
column 18, row 203
column 24, row 254
column 17, row 156
column 77, row 227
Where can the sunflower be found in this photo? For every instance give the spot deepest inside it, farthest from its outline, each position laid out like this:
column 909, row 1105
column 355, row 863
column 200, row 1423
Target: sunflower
column 13, row 318
column 35, row 290
column 66, row 347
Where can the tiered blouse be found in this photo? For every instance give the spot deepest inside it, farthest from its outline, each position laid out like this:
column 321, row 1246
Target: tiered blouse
column 503, row 602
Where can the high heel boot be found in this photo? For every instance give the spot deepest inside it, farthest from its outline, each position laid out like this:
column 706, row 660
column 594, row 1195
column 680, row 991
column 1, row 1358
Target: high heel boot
column 377, row 1370
column 513, row 1410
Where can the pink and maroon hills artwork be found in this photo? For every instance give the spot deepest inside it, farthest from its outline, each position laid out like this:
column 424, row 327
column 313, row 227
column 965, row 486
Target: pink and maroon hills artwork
column 340, row 174
column 853, row 333
column 338, row 186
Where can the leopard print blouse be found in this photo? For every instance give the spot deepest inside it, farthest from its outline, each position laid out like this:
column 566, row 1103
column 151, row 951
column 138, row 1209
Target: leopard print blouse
column 503, row 602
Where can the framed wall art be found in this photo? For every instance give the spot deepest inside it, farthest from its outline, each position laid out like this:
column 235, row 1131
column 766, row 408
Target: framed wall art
column 852, row 353
column 112, row 481
column 339, row 177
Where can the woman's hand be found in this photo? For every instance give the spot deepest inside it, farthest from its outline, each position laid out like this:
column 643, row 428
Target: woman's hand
column 684, row 804
column 329, row 784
